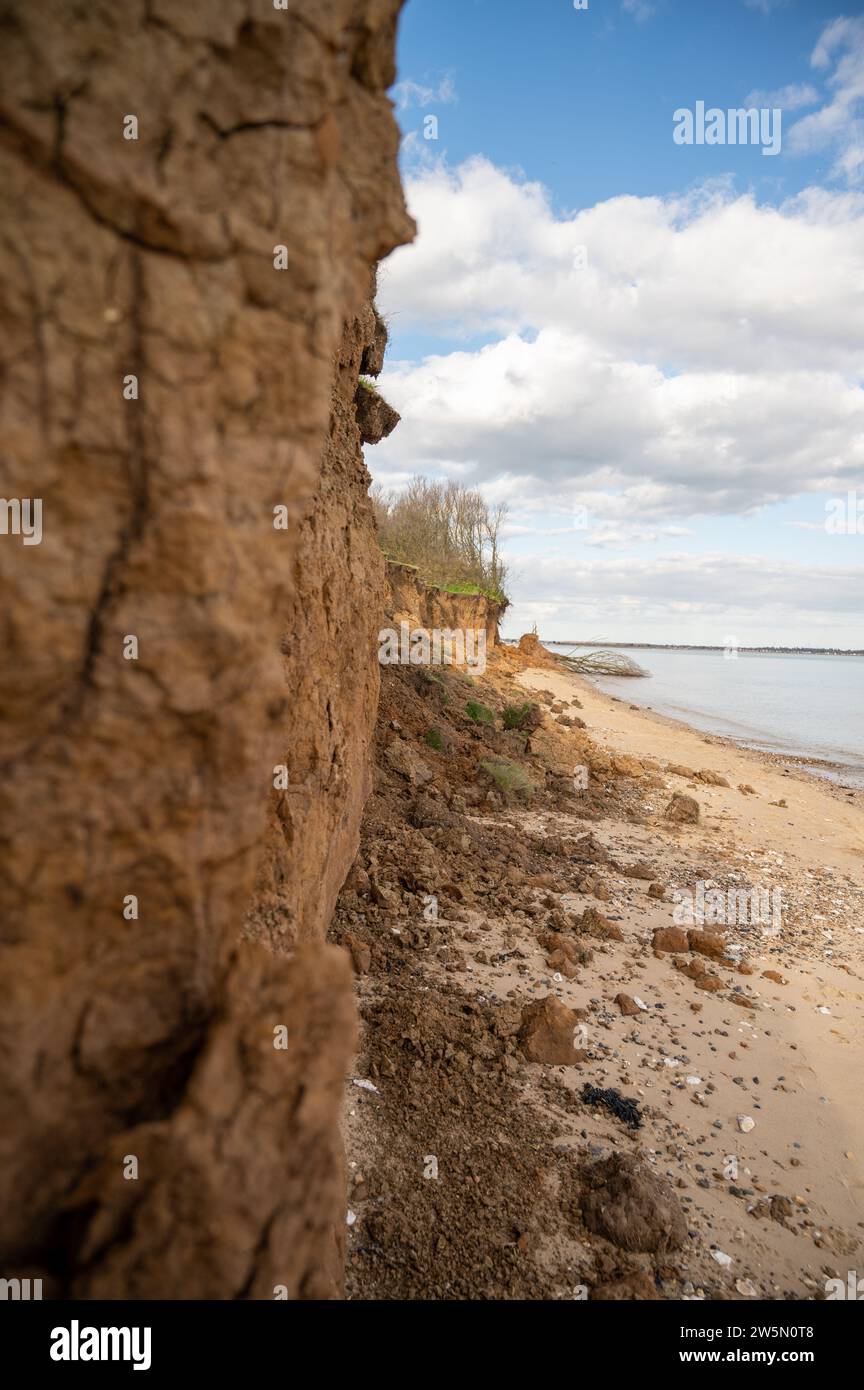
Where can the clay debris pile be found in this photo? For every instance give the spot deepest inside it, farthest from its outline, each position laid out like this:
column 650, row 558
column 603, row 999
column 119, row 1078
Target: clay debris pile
column 440, row 852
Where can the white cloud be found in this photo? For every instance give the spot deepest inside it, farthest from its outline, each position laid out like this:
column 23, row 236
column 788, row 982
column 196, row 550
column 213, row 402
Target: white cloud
column 685, row 598
column 789, row 98
column 609, row 537
column 706, row 361
column 409, row 93
column 706, row 280
column 604, row 536
column 710, row 582
column 837, row 126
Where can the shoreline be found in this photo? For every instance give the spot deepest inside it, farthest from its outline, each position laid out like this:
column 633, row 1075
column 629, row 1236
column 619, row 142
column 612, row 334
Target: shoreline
column 698, row 647
column 797, row 763
column 819, row 803
column 841, row 771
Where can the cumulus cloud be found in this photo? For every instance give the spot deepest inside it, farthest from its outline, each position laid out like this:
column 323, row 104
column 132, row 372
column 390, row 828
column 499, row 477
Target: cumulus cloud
column 703, row 358
column 838, row 125
column 705, row 279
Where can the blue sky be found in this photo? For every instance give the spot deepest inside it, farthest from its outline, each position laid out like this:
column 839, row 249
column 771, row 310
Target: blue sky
column 669, row 418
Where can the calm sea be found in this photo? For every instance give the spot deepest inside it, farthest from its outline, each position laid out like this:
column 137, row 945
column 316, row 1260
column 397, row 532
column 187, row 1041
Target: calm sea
column 800, row 706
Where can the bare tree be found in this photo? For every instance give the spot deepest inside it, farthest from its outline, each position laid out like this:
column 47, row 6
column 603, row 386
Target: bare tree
column 447, row 530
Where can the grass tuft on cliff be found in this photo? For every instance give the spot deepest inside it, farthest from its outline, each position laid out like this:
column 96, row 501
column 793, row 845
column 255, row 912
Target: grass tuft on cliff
column 509, row 778
column 481, row 714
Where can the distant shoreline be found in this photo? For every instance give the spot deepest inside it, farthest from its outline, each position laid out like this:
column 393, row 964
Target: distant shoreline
column 695, row 647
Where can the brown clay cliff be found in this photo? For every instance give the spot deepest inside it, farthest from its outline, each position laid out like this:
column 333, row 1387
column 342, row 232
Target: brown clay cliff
column 411, row 599
column 170, row 1084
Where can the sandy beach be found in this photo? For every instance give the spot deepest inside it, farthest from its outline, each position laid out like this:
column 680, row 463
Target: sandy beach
column 804, row 1037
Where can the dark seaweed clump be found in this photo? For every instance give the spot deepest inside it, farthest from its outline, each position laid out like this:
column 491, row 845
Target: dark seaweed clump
column 620, row 1106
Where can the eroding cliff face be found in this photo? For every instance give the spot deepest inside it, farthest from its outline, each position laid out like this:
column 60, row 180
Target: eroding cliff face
column 167, row 388
column 332, row 671
column 412, row 600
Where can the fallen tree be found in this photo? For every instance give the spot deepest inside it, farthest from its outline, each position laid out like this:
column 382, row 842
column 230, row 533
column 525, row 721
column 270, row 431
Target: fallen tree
column 603, row 663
